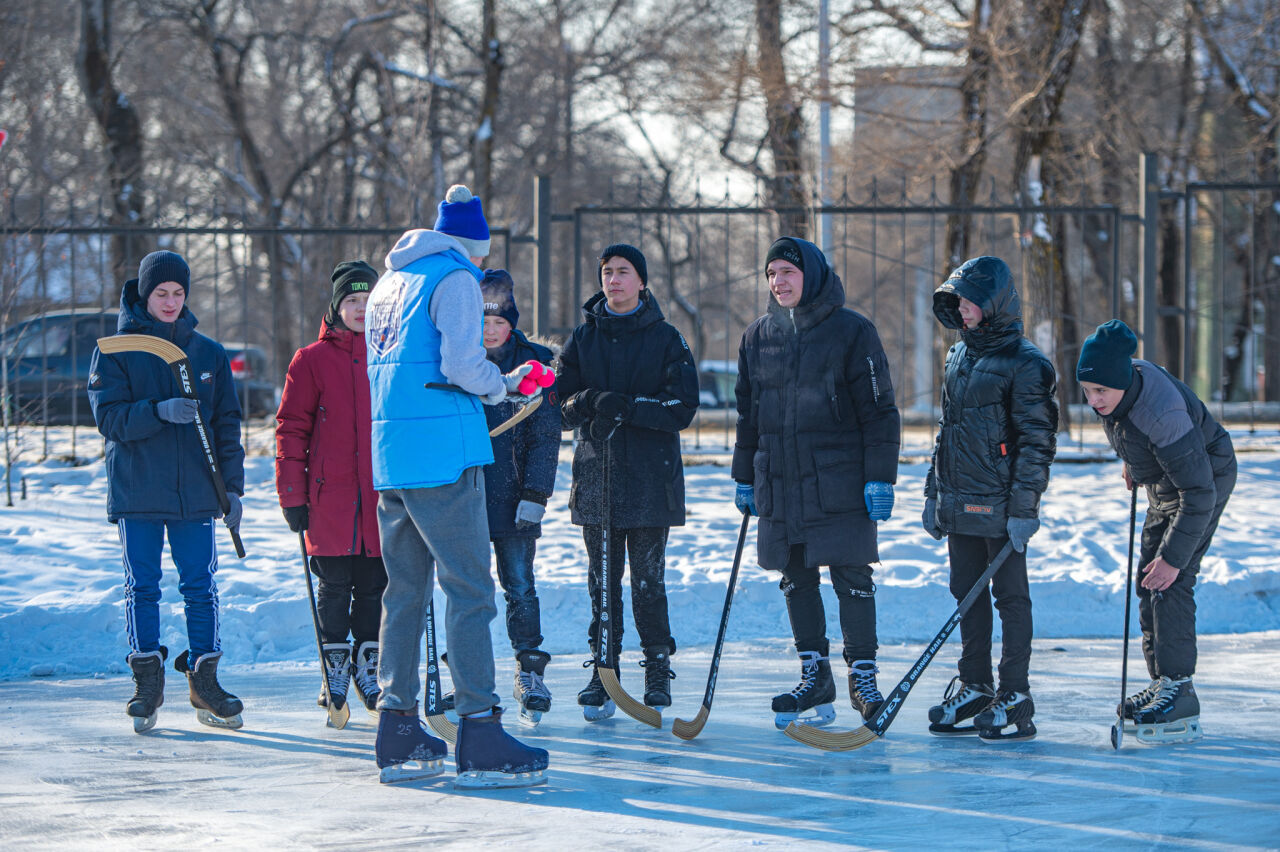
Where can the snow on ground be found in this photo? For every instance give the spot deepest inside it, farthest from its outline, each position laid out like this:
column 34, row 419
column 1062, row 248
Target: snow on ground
column 73, row 774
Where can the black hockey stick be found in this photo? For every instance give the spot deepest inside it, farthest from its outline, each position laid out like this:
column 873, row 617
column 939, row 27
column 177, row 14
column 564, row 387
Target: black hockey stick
column 849, row 740
column 435, row 706
column 181, row 366
column 688, row 730
column 1117, row 730
column 606, row 661
column 338, row 716
column 525, row 410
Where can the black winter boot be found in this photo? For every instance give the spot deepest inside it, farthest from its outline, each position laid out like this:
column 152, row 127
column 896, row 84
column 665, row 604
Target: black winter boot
column 657, row 677
column 214, row 705
column 148, row 693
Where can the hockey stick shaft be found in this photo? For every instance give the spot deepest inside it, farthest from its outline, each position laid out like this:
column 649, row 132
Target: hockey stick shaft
column 689, row 730
column 846, row 741
column 337, row 716
column 434, row 713
column 1118, row 730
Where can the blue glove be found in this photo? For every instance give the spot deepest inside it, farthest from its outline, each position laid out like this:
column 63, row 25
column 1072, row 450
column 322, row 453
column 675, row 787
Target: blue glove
column 1021, row 530
column 234, row 511
column 879, row 499
column 745, row 499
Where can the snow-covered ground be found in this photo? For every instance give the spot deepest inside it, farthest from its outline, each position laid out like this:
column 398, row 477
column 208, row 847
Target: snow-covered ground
column 73, row 774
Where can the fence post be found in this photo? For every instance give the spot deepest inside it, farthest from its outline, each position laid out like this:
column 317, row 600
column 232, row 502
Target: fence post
column 542, row 273
column 1149, row 229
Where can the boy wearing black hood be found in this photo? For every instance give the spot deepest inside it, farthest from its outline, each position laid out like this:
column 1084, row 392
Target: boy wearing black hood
column 627, row 378
column 996, row 440
column 815, row 458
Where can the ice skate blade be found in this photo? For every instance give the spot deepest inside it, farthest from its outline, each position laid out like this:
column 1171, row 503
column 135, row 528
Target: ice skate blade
column 939, row 729
column 142, row 724
column 598, row 714
column 229, row 723
column 477, row 779
column 1170, row 733
column 410, row 770
column 530, row 718
column 820, row 714
column 1022, row 731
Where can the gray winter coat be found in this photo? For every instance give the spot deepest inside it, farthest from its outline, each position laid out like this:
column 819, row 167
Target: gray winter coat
column 998, row 432
column 1172, row 445
column 816, row 422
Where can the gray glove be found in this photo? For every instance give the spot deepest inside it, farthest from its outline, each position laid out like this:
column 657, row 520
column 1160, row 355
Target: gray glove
column 930, row 518
column 234, row 511
column 510, row 385
column 1021, row 530
column 177, row 410
column 529, row 513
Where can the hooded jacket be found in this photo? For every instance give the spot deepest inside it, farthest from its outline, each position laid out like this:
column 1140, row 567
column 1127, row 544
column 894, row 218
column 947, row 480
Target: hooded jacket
column 643, row 356
column 156, row 470
column 323, row 444
column 998, row 432
column 816, row 422
column 525, row 456
column 1171, row 444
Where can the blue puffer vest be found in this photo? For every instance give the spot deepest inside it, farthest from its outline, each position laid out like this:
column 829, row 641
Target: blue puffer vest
column 422, row 438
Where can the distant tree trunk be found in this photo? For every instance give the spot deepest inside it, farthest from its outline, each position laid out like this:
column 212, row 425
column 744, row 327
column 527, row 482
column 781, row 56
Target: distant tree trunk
column 482, row 149
column 120, row 124
column 973, row 105
column 784, row 121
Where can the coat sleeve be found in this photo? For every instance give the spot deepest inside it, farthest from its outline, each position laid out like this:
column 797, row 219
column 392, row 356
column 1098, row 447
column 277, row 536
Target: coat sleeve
column 225, row 426
column 673, row 406
column 1186, row 464
column 1033, row 414
column 295, row 421
column 118, row 415
column 748, row 435
column 569, row 382
column 867, row 373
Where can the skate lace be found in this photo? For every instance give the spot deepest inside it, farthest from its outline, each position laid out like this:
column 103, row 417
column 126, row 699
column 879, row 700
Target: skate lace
column 864, row 683
column 1140, row 699
column 808, row 673
column 958, row 692
column 656, row 674
column 1164, row 696
column 367, row 674
column 531, row 683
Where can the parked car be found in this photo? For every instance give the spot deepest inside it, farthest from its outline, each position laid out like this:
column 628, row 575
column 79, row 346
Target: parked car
column 716, row 380
column 48, row 368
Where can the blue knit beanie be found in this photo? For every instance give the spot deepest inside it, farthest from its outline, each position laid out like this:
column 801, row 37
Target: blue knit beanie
column 461, row 216
column 159, row 267
column 631, row 255
column 499, row 296
column 1105, row 356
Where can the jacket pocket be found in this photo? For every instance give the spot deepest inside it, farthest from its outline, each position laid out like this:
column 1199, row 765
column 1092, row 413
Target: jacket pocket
column 839, row 473
column 763, row 486
column 315, row 483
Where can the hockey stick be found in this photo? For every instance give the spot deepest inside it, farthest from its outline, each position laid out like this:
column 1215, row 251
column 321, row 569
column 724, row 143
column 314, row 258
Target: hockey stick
column 181, row 366
column 605, row 659
column 688, row 730
column 434, row 711
column 850, row 740
column 1117, row 730
column 525, row 410
column 338, row 716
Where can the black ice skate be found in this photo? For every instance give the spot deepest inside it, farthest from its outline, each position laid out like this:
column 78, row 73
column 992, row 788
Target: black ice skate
column 1138, row 700
column 530, row 689
column 1009, row 709
column 337, row 673
column 148, row 692
column 657, row 678
column 404, row 749
column 487, row 756
column 366, row 676
column 864, row 694
column 595, row 702
column 812, row 696
column 1172, row 716
column 215, row 707
column 961, row 702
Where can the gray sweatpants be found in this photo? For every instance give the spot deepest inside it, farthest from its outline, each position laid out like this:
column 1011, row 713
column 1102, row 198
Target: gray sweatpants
column 422, row 528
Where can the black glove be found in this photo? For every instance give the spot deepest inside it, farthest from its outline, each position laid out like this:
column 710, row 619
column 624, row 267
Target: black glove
column 582, row 404
column 611, row 405
column 297, row 517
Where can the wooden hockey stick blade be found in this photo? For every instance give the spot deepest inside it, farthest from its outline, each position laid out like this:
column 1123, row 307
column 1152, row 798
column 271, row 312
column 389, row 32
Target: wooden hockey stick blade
column 688, row 730
column 821, row 738
column 338, row 717
column 442, row 726
column 141, row 343
column 627, row 704
column 528, row 408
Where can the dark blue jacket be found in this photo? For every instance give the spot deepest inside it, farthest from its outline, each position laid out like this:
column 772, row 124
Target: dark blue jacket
column 524, row 457
column 155, row 469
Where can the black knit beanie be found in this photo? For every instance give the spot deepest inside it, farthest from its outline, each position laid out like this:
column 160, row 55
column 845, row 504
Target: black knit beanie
column 632, row 255
column 499, row 296
column 1105, row 356
column 786, row 249
column 350, row 276
column 159, row 267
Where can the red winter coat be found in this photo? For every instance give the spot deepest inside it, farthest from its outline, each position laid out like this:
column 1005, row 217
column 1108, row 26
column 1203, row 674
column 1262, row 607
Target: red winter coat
column 323, row 448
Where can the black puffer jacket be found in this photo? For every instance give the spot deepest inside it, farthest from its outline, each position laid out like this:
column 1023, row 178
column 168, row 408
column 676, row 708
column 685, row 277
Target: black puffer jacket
column 816, row 422
column 1172, row 445
column 998, row 433
column 645, row 357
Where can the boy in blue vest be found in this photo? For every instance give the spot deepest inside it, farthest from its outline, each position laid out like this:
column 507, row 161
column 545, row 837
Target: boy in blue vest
column 423, row 328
